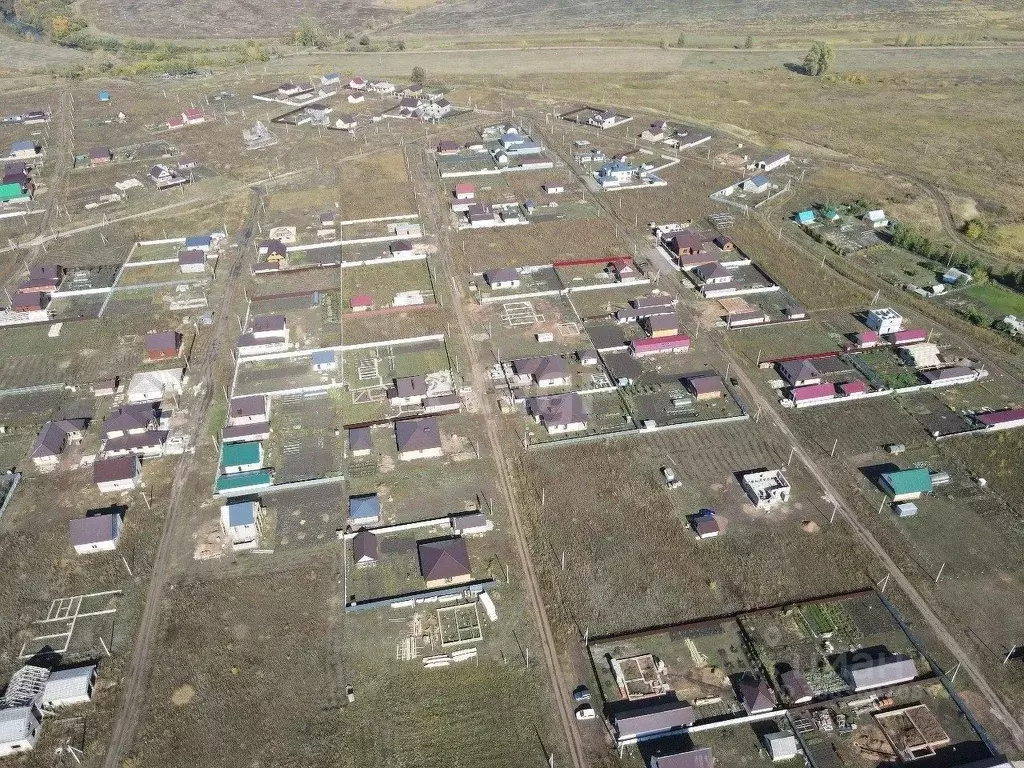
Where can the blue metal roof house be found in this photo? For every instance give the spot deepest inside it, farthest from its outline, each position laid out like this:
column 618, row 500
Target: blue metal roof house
column 364, row 509
column 202, row 242
column 104, row 96
column 805, row 217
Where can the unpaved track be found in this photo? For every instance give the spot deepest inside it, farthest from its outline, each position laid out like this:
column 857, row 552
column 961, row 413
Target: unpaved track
column 424, row 183
column 846, row 510
column 133, row 683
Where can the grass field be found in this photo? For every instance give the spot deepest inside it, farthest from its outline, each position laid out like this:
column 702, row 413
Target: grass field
column 376, row 185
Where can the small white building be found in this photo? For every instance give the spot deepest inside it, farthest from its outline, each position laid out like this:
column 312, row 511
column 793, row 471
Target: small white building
column 876, row 219
column 192, row 261
column 774, row 161
column 884, row 320
column 150, row 386
column 242, row 523
column 781, row 746
column 766, row 490
column 67, row 687
column 554, row 189
column 19, row 729
column 502, row 279
column 96, row 533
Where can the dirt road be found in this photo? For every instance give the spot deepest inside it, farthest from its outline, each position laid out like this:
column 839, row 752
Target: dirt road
column 424, row 182
column 133, row 683
column 846, row 510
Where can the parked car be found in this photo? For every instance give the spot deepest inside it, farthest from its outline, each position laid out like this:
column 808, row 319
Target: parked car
column 586, row 712
column 670, row 477
column 582, row 693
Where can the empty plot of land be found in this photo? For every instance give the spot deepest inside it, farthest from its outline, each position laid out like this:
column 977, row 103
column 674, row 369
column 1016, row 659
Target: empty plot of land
column 376, row 185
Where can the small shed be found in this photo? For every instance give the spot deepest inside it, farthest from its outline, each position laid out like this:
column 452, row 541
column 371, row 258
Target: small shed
column 905, row 509
column 104, row 96
column 323, row 360
column 781, row 746
column 66, row 687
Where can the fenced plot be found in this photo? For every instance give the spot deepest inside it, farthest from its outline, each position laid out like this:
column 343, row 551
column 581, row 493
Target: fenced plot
column 459, row 624
column 303, row 445
column 518, row 313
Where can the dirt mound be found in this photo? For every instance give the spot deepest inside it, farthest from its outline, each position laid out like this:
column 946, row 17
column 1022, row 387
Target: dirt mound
column 809, row 526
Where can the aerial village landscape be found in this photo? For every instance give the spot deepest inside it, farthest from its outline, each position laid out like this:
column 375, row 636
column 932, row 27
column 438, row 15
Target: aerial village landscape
column 349, row 418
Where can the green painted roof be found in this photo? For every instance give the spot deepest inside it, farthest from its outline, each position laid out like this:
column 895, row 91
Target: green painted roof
column 239, row 454
column 243, row 480
column 11, row 191
column 908, row 481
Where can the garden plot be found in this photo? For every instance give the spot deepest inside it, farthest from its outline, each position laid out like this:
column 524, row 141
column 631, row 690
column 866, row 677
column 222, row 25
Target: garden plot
column 388, row 285
column 305, row 442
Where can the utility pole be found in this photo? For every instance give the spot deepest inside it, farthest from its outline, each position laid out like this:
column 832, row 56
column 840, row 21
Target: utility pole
column 939, row 574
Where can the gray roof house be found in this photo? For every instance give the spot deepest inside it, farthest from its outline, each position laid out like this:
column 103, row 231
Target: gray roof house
column 66, row 687
column 546, row 370
column 796, row 686
column 695, row 758
column 360, row 441
column 875, row 668
column 651, row 719
column 799, row 372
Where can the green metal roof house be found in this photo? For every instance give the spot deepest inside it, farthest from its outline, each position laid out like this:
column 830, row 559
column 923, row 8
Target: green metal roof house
column 241, row 457
column 243, row 482
column 9, row 192
column 907, row 484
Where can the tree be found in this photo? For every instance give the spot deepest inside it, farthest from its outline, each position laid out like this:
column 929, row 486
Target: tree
column 975, row 229
column 749, row 42
column 820, row 59
column 364, row 41
column 419, row 74
column 681, row 42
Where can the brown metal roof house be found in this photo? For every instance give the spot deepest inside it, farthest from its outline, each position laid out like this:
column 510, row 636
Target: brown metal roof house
column 161, row 345
column 418, row 438
column 119, row 474
column 706, row 387
column 444, row 562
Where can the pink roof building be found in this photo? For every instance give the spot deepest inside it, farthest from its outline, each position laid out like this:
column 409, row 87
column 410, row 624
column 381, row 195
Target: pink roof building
column 1014, row 417
column 465, row 191
column 176, row 122
column 644, row 347
column 814, row 392
column 910, row 336
column 867, row 339
column 193, row 115
column 361, row 302
column 853, row 388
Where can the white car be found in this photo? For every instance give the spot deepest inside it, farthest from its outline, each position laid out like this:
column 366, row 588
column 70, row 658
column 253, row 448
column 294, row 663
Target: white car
column 586, row 712
column 670, row 477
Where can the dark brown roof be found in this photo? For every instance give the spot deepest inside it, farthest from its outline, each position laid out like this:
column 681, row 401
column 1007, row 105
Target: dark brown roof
column 796, row 685
column 444, row 559
column 245, row 431
column 268, row 323
column 755, row 695
column 662, row 323
column 135, row 443
column 558, row 410
column 99, row 152
column 163, row 341
column 364, row 547
column 250, row 405
column 191, row 257
column 411, row 386
column 417, row 434
column 360, row 439
column 546, row 367
column 130, row 417
column 107, row 470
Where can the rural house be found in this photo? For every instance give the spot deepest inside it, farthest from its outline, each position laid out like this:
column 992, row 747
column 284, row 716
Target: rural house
column 418, row 439
column 242, row 523
column 19, row 728
column 660, row 326
column 772, row 162
column 756, row 696
column 546, row 371
column 781, row 746
column 444, row 562
column 559, row 414
column 884, row 320
column 874, row 667
column 799, row 373
column 501, row 279
column 130, row 419
column 250, row 409
column 193, row 261
column 647, row 347
column 96, row 533
column 161, row 345
column 360, row 441
column 114, row 475
column 707, row 386
column 365, row 548
column 53, row 439
column 241, row 457
column 100, row 156
column 706, row 524
column 165, row 177
column 907, row 484
column 363, row 509
column 649, row 720
column 323, row 360
column 796, row 686
column 408, row 390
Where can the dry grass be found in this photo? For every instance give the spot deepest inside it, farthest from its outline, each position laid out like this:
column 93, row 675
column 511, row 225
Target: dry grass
column 376, row 185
